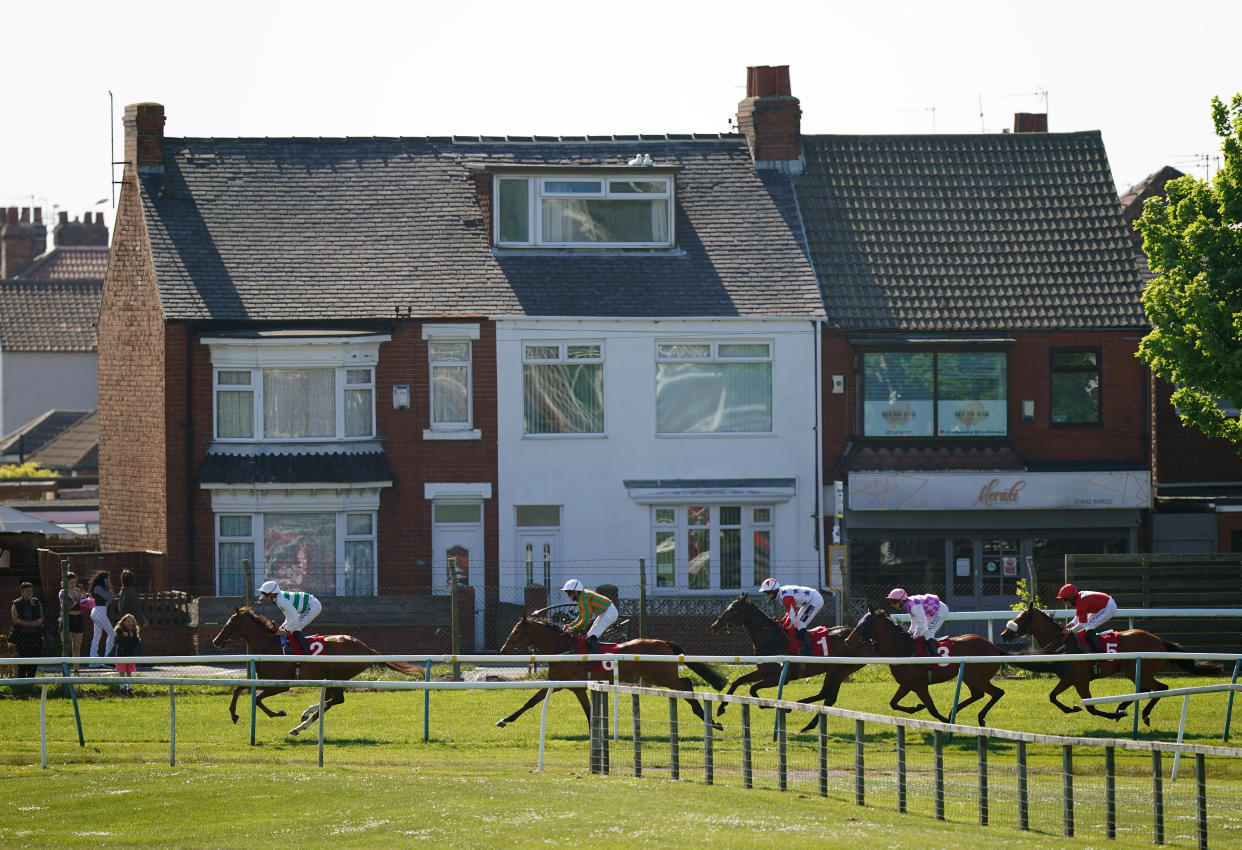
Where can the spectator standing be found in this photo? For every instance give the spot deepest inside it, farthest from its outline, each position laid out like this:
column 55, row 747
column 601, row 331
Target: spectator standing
column 128, row 601
column 27, row 633
column 76, row 619
column 128, row 644
column 101, row 592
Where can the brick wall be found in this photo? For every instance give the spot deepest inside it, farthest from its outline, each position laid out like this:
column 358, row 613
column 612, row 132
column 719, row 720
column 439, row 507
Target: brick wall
column 132, row 465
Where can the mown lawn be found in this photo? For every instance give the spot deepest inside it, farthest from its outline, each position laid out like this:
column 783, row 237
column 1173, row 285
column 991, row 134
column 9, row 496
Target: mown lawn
column 475, row 785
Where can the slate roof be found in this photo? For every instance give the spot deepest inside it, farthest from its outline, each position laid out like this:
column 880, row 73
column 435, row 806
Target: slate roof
column 295, row 464
column 885, row 457
column 309, row 229
column 75, row 448
column 37, row 433
column 69, row 262
column 49, row 315
column 949, row 233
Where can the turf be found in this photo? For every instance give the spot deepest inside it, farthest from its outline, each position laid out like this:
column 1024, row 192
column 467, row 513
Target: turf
column 473, row 784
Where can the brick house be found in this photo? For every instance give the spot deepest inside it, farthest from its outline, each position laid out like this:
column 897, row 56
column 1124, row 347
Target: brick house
column 983, row 404
column 348, row 361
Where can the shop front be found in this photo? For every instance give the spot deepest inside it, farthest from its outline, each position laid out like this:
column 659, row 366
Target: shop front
column 969, row 537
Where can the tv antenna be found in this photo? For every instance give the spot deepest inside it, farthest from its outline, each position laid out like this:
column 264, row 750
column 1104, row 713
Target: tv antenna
column 930, row 109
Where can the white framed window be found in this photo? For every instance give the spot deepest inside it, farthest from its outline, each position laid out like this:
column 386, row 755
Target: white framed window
column 329, row 553
column 563, row 387
column 291, row 388
column 584, row 211
column 450, row 367
column 714, row 387
column 710, row 546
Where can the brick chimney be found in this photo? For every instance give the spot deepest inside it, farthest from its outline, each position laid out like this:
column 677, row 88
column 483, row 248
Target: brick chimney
column 90, row 231
column 144, row 136
column 1030, row 122
column 771, row 119
column 21, row 239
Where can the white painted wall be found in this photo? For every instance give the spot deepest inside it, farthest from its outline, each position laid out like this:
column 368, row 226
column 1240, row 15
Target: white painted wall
column 33, row 383
column 603, row 531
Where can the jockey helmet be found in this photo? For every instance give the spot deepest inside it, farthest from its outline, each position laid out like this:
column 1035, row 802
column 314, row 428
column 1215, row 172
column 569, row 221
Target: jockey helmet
column 898, row 594
column 572, row 585
column 1067, row 592
column 269, row 586
column 769, row 585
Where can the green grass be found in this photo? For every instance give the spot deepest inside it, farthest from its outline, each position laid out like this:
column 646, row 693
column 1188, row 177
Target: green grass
column 474, row 784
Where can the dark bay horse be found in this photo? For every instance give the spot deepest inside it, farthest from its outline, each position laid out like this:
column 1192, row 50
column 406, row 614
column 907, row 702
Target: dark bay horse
column 769, row 639
column 889, row 639
column 550, row 639
column 1052, row 637
column 262, row 638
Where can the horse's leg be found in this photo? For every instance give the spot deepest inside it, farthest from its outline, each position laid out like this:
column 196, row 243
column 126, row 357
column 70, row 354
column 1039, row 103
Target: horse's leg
column 1062, row 684
column 1083, row 687
column 828, row 691
column 1152, row 685
column 925, row 695
column 263, row 694
column 687, row 685
column 995, row 693
column 756, row 675
column 334, row 696
column 538, row 695
column 895, row 702
column 233, row 705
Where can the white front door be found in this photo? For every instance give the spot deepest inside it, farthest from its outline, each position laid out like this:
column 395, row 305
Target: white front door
column 460, row 544
column 538, row 558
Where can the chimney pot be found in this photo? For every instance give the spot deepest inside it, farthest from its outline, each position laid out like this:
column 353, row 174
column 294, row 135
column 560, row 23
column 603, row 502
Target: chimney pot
column 767, row 80
column 144, row 135
column 770, row 118
column 25, row 215
column 1030, row 122
column 64, row 217
column 38, row 215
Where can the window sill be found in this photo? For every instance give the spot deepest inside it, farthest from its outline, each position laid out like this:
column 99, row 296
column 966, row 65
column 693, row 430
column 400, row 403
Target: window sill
column 603, row 252
column 473, row 434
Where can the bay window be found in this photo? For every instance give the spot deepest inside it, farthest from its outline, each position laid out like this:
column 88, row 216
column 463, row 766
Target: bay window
column 706, row 547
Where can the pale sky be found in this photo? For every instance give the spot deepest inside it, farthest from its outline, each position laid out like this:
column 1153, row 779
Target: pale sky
column 1142, row 72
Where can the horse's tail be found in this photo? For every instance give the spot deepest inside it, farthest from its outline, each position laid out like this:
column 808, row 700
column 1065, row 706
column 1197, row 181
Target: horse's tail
column 710, row 675
column 400, row 666
column 1192, row 665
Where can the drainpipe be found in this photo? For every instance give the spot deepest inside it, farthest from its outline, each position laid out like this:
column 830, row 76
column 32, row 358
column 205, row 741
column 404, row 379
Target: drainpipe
column 191, row 589
column 819, row 464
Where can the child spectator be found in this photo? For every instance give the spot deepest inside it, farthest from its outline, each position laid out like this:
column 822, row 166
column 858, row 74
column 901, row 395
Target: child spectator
column 74, row 596
column 128, row 644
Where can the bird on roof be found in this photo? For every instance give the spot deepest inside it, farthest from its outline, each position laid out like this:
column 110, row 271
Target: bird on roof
column 647, row 159
column 637, row 160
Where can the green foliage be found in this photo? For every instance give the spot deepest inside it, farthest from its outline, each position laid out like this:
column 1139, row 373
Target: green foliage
column 29, row 469
column 1028, row 595
column 1193, row 241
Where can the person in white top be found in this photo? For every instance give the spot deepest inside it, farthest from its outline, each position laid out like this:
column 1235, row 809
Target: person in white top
column 801, row 606
column 299, row 609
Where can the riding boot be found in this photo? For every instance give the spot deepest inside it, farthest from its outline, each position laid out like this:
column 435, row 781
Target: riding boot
column 592, row 644
column 1093, row 640
column 805, row 640
column 301, row 639
column 930, row 643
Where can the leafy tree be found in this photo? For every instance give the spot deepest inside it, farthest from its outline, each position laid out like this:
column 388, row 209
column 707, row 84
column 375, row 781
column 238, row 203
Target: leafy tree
column 29, row 469
column 1193, row 242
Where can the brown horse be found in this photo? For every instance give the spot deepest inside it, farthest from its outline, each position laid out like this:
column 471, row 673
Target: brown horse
column 890, row 639
column 550, row 639
column 1053, row 637
column 769, row 639
column 262, row 638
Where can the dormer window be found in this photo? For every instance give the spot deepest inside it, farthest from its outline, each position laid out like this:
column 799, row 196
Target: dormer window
column 585, row 211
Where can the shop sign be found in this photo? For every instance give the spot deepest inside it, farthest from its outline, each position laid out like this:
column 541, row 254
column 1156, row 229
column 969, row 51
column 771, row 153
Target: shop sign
column 964, row 491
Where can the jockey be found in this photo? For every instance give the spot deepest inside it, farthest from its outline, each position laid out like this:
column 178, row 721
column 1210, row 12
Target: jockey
column 801, row 606
column 1091, row 609
column 926, row 612
column 590, row 604
column 299, row 609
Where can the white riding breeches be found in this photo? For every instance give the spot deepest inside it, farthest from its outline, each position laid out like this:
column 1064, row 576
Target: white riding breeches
column 1102, row 616
column 928, row 627
column 602, row 621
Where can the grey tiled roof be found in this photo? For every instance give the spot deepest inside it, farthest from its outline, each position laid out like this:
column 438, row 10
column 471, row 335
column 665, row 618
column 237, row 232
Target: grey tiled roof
column 37, row 433
column 306, row 229
column 75, row 448
column 981, row 232
column 69, row 262
column 49, row 315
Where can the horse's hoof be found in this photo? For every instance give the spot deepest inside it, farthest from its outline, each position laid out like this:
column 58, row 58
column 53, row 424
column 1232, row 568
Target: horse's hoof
column 1073, row 709
column 234, row 718
column 294, row 731
column 719, row 727
column 281, row 713
column 500, row 723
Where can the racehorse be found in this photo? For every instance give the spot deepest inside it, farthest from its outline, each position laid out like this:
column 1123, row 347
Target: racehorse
column 1053, row 637
column 890, row 639
column 769, row 639
column 548, row 638
column 262, row 638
